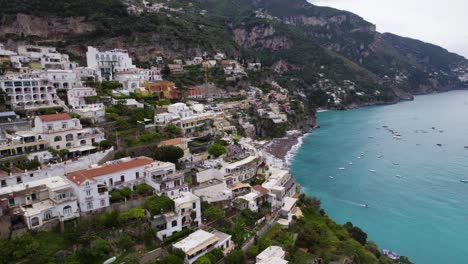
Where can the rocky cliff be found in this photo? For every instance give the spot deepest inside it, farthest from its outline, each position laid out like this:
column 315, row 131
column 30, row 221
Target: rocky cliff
column 327, row 56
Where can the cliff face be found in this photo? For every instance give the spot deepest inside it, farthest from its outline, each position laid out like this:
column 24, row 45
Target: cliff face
column 329, row 56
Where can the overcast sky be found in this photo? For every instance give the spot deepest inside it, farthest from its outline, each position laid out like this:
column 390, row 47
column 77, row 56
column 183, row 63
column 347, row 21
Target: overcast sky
column 444, row 23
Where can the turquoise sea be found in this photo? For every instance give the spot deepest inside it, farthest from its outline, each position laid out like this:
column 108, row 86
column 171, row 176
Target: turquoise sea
column 417, row 205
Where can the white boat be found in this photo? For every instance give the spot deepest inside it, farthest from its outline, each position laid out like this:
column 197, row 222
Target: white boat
column 350, row 163
column 398, row 176
column 331, row 177
column 466, row 146
column 341, row 168
column 464, row 181
column 373, row 171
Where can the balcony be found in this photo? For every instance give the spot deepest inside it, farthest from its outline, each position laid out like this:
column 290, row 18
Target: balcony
column 168, row 178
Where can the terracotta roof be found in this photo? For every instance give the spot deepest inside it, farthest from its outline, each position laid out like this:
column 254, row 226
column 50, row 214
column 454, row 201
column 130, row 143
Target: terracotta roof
column 172, row 142
column 80, row 176
column 260, row 189
column 54, row 117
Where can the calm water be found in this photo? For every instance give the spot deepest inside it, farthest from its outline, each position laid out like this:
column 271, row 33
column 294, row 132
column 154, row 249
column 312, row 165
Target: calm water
column 423, row 213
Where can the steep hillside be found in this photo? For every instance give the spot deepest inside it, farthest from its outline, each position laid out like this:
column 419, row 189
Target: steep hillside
column 320, row 53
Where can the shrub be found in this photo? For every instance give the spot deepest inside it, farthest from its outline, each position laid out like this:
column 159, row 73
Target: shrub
column 100, row 248
column 176, row 237
column 203, row 260
column 131, row 214
column 168, row 153
column 157, row 204
column 116, row 196
column 235, row 257
column 216, row 150
column 143, row 189
column 126, row 192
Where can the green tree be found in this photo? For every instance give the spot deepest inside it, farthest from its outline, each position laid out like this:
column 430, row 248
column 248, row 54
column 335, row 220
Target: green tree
column 263, row 243
column 143, row 189
column 216, row 150
column 211, row 212
column 203, row 260
column 173, row 131
column 252, row 251
column 235, row 257
column 356, row 233
column 168, row 153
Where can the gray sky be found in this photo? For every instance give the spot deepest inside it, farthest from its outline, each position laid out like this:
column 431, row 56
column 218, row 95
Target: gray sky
column 444, row 23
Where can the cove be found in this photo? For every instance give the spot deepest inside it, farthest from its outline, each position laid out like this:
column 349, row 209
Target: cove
column 406, row 162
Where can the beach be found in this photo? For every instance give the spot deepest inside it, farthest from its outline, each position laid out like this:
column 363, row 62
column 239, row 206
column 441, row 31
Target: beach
column 284, row 148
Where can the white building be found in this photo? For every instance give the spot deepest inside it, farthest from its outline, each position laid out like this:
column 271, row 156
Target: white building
column 135, row 78
column 92, row 185
column 109, row 62
column 39, row 202
column 187, row 213
column 77, row 102
column 64, row 132
column 48, row 57
column 194, row 121
column 211, row 186
column 164, row 178
column 242, row 170
column 62, row 79
column 201, row 242
column 287, row 211
column 271, row 255
column 29, row 93
column 280, row 184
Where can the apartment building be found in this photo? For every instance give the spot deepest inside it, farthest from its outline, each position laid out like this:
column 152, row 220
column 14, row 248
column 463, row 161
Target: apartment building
column 164, row 178
column 92, row 185
column 108, row 62
column 29, row 93
column 187, row 213
column 201, row 242
column 64, row 132
column 37, row 203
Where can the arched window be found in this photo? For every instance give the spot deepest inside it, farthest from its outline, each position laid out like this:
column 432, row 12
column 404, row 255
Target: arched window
column 57, row 138
column 68, row 145
column 83, row 142
column 67, row 211
column 69, row 137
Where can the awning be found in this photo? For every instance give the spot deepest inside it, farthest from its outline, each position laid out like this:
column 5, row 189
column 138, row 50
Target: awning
column 81, row 148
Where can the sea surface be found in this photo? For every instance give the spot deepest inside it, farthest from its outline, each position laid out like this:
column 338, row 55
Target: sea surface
column 417, row 205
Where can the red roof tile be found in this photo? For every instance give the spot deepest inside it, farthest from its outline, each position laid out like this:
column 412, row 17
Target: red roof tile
column 80, row 176
column 260, row 189
column 54, row 117
column 171, row 142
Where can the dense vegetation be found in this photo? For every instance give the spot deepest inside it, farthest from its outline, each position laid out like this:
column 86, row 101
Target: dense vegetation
column 314, row 58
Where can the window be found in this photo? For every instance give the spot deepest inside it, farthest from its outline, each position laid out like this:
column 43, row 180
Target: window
column 64, row 125
column 103, row 202
column 67, row 211
column 50, row 127
column 33, row 196
column 4, row 184
column 137, row 175
column 122, row 178
column 174, row 223
column 47, row 215
column 111, row 182
column 11, row 201
column 19, row 180
column 87, row 183
column 69, row 137
column 57, row 138
column 34, row 221
column 32, row 174
column 194, row 205
column 88, row 193
column 89, row 205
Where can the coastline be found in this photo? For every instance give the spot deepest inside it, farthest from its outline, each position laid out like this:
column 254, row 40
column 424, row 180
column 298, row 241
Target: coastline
column 286, row 148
